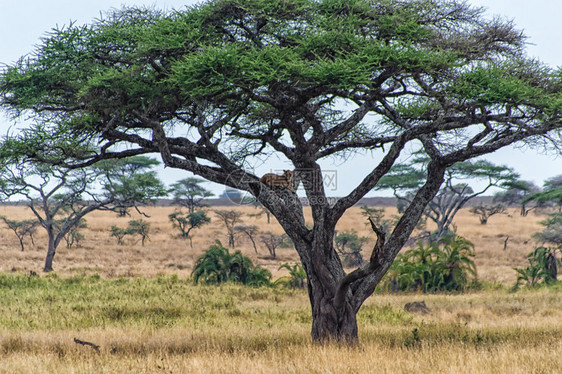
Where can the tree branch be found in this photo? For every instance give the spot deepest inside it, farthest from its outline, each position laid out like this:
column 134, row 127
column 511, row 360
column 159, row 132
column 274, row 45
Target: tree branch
column 374, row 262
column 363, row 288
column 371, row 180
column 82, row 342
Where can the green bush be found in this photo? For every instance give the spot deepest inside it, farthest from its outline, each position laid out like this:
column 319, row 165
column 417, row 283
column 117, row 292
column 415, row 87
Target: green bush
column 295, row 279
column 542, row 268
column 349, row 246
column 218, row 266
column 446, row 265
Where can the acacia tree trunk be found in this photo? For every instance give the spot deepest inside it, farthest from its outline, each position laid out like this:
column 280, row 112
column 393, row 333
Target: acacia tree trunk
column 334, row 301
column 335, row 296
column 51, row 250
column 330, row 322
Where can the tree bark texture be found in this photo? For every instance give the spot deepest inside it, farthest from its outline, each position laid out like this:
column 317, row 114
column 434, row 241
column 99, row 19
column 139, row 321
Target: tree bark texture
column 51, row 250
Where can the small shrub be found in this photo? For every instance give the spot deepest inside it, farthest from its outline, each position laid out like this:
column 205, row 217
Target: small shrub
column 139, row 227
column 349, row 246
column 218, row 266
column 542, row 268
column 446, row 265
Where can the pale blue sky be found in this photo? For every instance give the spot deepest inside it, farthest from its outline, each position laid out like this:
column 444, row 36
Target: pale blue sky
column 24, row 22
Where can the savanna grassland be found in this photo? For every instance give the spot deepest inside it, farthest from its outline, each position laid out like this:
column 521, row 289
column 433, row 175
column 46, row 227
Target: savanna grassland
column 166, row 253
column 140, row 307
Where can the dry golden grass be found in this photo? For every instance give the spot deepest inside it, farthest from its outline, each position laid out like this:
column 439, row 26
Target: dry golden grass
column 267, row 331
column 155, row 324
column 165, row 253
column 369, row 358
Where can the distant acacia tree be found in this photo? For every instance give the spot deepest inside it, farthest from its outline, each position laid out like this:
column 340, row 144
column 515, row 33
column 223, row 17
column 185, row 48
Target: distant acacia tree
column 405, row 179
column 377, row 215
column 188, row 222
column 250, row 231
column 546, row 197
column 130, row 182
column 139, row 227
column 486, row 211
column 349, row 245
column 189, row 193
column 271, row 242
column 134, row 227
column 119, row 233
column 218, row 87
column 230, row 218
column 21, row 228
column 553, row 183
column 515, row 192
column 58, row 197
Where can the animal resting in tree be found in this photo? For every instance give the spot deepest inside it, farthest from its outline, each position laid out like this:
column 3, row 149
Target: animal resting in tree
column 285, row 180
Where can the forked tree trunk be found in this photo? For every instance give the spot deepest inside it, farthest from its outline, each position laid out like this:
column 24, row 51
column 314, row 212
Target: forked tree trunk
column 336, row 297
column 334, row 308
column 54, row 241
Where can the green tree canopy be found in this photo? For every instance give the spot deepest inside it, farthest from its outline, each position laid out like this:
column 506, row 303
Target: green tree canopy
column 189, row 193
column 131, row 182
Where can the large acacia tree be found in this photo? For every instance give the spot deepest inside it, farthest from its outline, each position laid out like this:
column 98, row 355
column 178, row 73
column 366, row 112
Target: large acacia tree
column 213, row 87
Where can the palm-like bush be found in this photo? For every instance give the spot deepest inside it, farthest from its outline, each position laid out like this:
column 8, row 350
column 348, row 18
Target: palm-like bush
column 543, row 267
column 217, row 266
column 259, row 277
column 295, row 279
column 456, row 255
column 446, row 265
